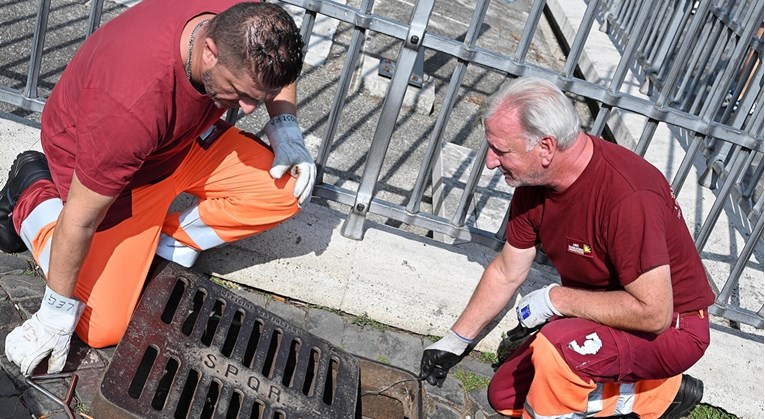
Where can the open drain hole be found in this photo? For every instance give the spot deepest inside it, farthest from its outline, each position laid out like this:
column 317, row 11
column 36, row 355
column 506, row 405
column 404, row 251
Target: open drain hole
column 252, row 343
column 309, row 385
column 234, row 405
column 289, row 368
column 379, row 406
column 212, row 322
column 184, row 402
column 273, row 349
column 330, row 386
column 211, row 400
column 160, row 396
column 188, row 325
column 173, row 301
column 233, row 334
column 142, row 372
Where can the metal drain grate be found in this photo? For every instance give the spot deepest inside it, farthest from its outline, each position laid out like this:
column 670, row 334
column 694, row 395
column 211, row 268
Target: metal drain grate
column 194, row 349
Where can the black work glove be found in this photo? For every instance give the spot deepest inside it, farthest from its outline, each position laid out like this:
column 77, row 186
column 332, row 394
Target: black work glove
column 441, row 356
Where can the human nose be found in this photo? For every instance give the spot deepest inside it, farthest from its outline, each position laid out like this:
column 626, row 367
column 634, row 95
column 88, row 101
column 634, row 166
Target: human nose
column 491, row 160
column 248, row 106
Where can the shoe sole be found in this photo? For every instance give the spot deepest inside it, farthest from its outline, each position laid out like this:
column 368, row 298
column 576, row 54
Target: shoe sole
column 692, row 390
column 10, row 241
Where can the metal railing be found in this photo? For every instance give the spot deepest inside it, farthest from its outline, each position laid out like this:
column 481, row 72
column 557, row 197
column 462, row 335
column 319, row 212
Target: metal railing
column 705, row 59
column 691, row 85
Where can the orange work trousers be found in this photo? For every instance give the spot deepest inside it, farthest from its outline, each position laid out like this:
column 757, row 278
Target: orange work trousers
column 577, row 368
column 236, row 198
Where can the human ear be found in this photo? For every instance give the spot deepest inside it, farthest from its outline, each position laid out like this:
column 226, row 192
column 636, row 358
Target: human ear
column 210, row 54
column 547, row 146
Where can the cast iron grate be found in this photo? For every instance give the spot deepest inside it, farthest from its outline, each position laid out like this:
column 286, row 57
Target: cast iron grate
column 194, row 349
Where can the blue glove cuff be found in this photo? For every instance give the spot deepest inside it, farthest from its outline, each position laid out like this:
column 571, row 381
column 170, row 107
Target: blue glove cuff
column 462, row 338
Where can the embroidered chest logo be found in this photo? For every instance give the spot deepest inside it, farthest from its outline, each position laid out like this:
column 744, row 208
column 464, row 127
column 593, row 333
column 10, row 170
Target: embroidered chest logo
column 578, row 247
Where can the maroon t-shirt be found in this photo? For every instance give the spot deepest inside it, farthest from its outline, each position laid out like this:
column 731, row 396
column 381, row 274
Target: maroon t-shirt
column 618, row 220
column 123, row 113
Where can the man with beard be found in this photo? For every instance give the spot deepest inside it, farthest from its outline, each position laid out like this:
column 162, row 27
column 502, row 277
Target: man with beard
column 630, row 314
column 133, row 122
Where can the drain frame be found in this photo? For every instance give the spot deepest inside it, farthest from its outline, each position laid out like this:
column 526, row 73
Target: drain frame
column 291, row 373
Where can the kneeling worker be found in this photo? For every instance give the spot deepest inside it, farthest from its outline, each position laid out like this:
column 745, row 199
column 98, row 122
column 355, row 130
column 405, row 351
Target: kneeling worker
column 630, row 315
column 133, row 122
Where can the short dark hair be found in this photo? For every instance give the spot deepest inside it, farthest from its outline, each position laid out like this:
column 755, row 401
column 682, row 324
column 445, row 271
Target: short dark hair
column 261, row 39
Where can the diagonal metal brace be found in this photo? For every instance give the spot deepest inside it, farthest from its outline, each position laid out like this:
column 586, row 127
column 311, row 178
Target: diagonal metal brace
column 64, row 403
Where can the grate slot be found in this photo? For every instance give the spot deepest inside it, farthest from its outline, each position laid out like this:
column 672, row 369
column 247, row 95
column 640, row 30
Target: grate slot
column 330, row 385
column 309, row 385
column 187, row 394
column 191, row 317
column 273, row 349
column 142, row 372
column 210, row 400
column 225, row 396
column 289, row 368
column 173, row 301
column 258, row 410
column 233, row 333
column 163, row 389
column 234, row 405
column 213, row 320
column 252, row 343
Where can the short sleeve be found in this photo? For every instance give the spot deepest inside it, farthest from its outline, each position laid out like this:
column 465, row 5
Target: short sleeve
column 636, row 235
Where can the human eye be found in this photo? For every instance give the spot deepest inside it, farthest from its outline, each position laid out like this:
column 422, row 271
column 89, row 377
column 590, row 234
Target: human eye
column 497, row 151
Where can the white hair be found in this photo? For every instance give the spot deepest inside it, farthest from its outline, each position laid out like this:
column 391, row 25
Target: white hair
column 542, row 110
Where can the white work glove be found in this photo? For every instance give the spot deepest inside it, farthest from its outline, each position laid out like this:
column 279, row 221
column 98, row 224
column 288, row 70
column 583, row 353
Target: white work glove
column 49, row 331
column 290, row 154
column 441, row 356
column 535, row 308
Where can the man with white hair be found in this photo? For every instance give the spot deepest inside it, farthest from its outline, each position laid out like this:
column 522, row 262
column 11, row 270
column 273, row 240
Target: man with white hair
column 630, row 314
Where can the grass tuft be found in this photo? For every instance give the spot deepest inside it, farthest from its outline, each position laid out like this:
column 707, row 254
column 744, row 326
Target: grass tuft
column 364, row 320
column 470, row 380
column 706, row 411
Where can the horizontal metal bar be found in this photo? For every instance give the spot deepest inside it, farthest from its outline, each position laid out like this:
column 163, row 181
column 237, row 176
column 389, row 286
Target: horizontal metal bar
column 738, row 314
column 399, row 213
column 17, row 99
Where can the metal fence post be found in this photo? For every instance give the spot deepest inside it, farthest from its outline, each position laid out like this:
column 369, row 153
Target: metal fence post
column 354, row 223
column 38, row 44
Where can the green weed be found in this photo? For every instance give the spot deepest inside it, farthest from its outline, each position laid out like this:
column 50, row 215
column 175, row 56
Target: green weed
column 364, row 320
column 705, row 411
column 471, row 381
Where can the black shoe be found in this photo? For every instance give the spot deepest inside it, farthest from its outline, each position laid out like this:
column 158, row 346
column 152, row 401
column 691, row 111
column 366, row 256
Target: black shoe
column 29, row 167
column 688, row 396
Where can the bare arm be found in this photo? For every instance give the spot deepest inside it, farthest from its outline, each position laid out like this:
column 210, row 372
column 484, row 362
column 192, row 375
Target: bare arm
column 82, row 213
column 644, row 305
column 498, row 283
column 284, row 102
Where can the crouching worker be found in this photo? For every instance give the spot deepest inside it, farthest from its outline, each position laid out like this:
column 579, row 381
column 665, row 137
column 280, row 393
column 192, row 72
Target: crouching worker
column 630, row 315
column 133, row 122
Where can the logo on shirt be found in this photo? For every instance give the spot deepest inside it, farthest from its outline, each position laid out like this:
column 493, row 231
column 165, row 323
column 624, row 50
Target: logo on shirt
column 677, row 206
column 579, row 248
column 590, row 346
